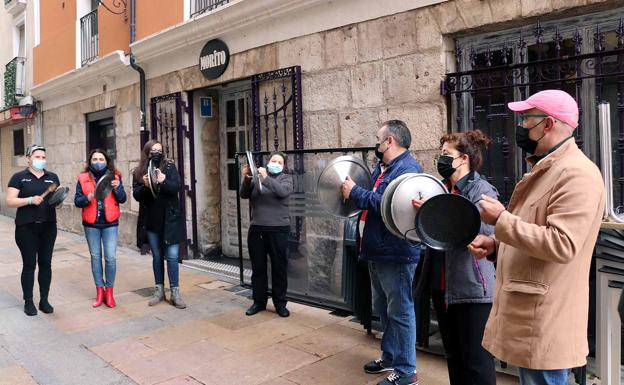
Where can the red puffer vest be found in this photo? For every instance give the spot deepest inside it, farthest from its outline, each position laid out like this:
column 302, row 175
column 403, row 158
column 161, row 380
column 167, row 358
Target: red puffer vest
column 111, row 206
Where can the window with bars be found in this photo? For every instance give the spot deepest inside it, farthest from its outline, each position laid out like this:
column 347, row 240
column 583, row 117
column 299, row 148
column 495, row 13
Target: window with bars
column 583, row 56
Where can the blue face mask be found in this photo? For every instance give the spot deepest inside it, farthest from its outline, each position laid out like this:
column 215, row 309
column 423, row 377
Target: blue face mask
column 98, row 166
column 38, row 164
column 275, row 168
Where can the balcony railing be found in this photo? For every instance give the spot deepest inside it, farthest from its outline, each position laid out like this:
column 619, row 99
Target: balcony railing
column 14, row 81
column 201, row 6
column 89, row 37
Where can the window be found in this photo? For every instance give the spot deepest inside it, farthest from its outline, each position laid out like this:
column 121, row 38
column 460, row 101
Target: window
column 18, row 142
column 101, row 131
column 237, row 138
column 578, row 55
column 21, row 51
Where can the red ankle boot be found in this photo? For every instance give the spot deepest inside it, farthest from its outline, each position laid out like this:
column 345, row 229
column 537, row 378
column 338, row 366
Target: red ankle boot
column 99, row 298
column 110, row 300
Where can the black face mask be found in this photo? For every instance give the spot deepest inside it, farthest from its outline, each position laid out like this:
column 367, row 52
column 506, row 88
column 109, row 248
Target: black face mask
column 156, row 158
column 378, row 153
column 445, row 166
column 524, row 141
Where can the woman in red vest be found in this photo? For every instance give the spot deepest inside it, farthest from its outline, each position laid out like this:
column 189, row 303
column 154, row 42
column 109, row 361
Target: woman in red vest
column 100, row 219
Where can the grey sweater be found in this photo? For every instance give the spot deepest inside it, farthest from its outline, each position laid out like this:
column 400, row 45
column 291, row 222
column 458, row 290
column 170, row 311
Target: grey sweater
column 468, row 279
column 269, row 208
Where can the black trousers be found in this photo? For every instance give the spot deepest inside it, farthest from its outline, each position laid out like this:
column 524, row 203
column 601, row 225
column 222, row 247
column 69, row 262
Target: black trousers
column 274, row 244
column 36, row 243
column 461, row 327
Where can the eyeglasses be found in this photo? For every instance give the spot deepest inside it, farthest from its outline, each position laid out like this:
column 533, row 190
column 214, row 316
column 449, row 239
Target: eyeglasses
column 523, row 117
column 156, row 152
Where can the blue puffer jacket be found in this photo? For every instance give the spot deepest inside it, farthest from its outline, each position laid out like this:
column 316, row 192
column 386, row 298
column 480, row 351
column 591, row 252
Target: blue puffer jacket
column 378, row 244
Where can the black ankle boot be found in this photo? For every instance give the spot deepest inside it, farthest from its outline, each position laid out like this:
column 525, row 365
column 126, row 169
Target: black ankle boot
column 282, row 311
column 255, row 308
column 29, row 308
column 45, row 306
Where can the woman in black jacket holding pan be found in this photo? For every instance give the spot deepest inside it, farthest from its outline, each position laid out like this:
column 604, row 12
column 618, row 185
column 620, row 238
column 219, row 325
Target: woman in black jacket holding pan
column 160, row 219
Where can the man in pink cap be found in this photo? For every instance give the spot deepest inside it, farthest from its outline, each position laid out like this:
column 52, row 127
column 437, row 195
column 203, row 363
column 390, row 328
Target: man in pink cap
column 543, row 245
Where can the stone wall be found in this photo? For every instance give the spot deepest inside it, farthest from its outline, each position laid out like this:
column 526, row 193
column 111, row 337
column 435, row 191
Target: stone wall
column 64, row 133
column 10, row 164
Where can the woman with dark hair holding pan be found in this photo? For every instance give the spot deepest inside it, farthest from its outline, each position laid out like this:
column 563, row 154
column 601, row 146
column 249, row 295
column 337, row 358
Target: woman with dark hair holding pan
column 268, row 233
column 156, row 186
column 100, row 218
column 35, row 225
column 462, row 287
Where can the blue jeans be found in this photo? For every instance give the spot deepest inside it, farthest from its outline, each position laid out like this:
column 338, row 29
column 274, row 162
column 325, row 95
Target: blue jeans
column 544, row 377
column 106, row 239
column 160, row 251
column 392, row 300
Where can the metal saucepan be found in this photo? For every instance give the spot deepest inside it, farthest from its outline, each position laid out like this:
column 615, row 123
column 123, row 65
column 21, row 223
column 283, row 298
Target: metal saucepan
column 386, row 203
column 103, row 186
column 152, row 177
column 403, row 213
column 448, row 222
column 58, row 196
column 328, row 186
column 254, row 170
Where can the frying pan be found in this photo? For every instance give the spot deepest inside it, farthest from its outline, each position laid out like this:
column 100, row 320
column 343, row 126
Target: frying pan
column 58, row 196
column 447, row 222
column 152, row 178
column 103, row 186
column 328, row 185
column 254, row 170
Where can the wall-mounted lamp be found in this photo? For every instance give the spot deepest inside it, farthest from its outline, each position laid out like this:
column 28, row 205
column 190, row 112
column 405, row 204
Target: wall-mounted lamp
column 117, row 7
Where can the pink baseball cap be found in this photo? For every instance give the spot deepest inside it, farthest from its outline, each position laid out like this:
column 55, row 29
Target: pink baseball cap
column 556, row 103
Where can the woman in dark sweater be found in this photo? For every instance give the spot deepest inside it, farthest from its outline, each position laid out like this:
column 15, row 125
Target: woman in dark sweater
column 463, row 288
column 100, row 219
column 160, row 219
column 268, row 233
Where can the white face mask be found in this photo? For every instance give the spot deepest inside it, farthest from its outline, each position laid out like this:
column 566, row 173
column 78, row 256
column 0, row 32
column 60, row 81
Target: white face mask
column 274, row 168
column 38, row 164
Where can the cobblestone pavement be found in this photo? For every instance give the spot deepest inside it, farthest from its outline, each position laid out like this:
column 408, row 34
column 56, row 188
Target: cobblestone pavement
column 211, row 342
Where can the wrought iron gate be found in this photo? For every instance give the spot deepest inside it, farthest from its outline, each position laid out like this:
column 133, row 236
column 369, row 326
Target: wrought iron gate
column 277, row 114
column 169, row 127
column 276, row 98
column 555, row 56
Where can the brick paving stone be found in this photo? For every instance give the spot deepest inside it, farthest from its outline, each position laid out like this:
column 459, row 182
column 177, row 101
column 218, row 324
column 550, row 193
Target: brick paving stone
column 211, row 342
column 15, row 375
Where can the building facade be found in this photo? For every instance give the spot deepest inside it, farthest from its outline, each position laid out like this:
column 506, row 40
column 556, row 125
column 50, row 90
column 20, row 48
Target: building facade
column 19, row 120
column 297, row 75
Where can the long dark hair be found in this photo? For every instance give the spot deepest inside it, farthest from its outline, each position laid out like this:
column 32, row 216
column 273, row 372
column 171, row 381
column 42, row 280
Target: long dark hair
column 109, row 161
column 469, row 143
column 141, row 169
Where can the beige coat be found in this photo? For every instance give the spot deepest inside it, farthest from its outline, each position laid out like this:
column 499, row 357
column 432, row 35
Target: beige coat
column 546, row 239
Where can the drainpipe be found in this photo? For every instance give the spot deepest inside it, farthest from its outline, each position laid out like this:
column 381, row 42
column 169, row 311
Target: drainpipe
column 143, row 130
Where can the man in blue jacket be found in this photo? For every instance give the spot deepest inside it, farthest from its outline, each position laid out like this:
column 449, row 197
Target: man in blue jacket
column 391, row 260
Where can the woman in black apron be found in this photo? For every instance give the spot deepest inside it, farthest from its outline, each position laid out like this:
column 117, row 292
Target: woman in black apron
column 35, row 226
